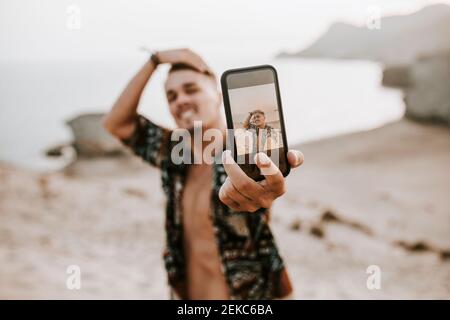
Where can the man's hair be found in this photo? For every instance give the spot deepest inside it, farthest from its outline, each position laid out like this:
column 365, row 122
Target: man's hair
column 246, row 123
column 185, row 66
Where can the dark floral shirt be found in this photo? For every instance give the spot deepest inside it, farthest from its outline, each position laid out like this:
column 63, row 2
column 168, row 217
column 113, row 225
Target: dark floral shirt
column 250, row 260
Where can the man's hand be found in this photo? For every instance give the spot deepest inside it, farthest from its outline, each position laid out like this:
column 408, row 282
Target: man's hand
column 185, row 56
column 241, row 193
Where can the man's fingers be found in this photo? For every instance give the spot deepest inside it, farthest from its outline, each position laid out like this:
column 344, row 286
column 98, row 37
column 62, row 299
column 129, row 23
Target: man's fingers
column 295, row 158
column 228, row 191
column 195, row 60
column 243, row 183
column 184, row 55
column 233, row 192
column 225, row 198
column 245, row 203
column 197, row 64
column 242, row 191
column 273, row 175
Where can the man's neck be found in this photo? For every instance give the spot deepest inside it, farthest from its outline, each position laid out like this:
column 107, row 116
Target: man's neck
column 218, row 143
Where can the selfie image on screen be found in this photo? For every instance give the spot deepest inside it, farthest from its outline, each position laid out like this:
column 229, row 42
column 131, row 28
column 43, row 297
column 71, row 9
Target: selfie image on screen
column 255, row 119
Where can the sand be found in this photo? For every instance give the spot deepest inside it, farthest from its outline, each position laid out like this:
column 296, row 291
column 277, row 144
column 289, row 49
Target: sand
column 379, row 197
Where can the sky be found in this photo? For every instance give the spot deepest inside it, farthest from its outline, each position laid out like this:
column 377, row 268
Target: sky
column 115, row 29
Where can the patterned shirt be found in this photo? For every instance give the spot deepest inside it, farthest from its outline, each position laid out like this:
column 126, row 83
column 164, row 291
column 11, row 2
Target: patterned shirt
column 249, row 257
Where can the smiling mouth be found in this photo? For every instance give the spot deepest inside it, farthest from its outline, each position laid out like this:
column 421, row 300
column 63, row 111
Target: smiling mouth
column 187, row 115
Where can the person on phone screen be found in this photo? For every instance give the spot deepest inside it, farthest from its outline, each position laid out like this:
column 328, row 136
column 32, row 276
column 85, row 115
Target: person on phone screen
column 218, row 241
column 263, row 136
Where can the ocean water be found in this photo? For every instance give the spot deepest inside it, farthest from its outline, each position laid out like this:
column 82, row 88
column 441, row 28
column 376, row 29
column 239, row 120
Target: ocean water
column 321, row 98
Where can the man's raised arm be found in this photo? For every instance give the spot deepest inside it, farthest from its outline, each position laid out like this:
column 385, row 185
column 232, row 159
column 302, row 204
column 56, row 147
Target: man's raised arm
column 121, row 120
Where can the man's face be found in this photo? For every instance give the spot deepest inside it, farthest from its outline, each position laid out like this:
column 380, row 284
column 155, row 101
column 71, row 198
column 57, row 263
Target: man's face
column 258, row 119
column 192, row 96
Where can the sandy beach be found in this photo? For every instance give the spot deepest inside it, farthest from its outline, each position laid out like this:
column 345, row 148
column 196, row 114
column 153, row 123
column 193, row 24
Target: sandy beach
column 378, row 197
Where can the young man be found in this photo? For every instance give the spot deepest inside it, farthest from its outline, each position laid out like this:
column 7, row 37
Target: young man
column 262, row 136
column 218, row 242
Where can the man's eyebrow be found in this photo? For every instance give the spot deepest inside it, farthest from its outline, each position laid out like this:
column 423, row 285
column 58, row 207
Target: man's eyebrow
column 185, row 85
column 189, row 84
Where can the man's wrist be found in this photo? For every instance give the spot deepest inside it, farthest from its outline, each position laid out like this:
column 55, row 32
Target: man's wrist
column 154, row 58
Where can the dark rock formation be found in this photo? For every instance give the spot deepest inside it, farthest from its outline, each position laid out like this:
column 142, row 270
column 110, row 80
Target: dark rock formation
column 91, row 139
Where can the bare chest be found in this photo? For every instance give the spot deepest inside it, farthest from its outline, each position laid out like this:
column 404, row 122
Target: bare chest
column 196, row 198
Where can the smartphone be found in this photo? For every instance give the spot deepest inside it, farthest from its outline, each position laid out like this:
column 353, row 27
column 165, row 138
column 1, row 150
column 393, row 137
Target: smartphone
column 254, row 114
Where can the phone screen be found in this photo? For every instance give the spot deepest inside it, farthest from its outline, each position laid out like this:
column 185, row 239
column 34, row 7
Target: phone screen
column 253, row 108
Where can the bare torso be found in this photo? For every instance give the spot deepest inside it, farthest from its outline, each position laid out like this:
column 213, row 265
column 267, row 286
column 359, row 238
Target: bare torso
column 205, row 279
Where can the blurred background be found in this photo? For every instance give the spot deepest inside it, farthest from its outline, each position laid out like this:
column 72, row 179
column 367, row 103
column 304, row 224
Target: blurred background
column 365, row 87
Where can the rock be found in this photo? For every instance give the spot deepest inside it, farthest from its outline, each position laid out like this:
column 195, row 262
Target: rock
column 91, row 139
column 55, row 151
column 396, row 76
column 295, row 225
column 427, row 97
column 317, row 231
column 329, row 216
column 418, row 246
column 445, row 255
column 65, row 153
